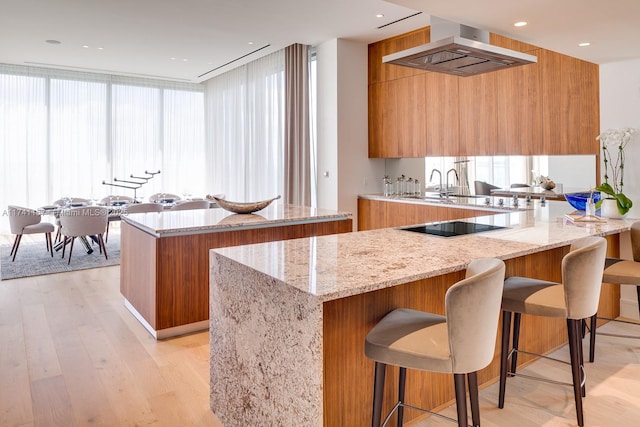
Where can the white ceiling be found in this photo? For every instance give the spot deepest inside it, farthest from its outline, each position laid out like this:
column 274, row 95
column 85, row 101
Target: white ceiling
column 139, row 37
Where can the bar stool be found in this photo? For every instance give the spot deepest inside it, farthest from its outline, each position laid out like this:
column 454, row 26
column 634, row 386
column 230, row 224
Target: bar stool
column 462, row 342
column 619, row 271
column 575, row 299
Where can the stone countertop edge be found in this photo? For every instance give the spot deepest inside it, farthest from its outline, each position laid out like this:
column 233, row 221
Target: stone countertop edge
column 215, row 220
column 332, row 267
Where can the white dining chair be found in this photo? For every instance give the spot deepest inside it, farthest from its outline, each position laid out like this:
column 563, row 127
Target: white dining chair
column 84, row 221
column 191, row 204
column 27, row 221
column 142, row 207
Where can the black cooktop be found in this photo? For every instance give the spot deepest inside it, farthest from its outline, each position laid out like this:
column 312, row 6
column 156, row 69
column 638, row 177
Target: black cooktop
column 453, row 228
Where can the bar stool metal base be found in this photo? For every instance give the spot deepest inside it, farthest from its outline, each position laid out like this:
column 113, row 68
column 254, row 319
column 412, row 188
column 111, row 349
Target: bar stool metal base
column 461, row 399
column 576, row 357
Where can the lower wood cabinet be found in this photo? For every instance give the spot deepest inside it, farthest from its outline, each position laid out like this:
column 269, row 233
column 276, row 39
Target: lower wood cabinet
column 374, row 214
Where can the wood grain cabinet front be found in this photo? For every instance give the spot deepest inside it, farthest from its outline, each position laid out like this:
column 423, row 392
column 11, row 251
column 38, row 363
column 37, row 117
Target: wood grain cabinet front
column 550, row 107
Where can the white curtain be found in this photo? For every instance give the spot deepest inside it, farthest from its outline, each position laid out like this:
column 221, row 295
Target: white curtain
column 63, row 133
column 245, row 129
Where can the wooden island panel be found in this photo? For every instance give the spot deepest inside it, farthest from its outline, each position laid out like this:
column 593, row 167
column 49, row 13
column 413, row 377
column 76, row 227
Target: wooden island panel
column 166, row 279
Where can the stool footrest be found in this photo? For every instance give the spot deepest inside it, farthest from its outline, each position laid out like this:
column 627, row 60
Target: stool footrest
column 415, row 408
column 583, row 379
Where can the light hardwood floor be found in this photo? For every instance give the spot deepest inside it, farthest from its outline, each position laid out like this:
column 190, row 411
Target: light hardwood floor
column 72, row 355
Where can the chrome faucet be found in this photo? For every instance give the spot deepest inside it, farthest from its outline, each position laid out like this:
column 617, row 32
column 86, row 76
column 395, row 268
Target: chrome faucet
column 440, row 175
column 457, row 179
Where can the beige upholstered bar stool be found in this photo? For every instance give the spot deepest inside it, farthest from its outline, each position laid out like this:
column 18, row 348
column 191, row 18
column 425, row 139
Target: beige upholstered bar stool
column 462, row 342
column 575, row 299
column 619, row 271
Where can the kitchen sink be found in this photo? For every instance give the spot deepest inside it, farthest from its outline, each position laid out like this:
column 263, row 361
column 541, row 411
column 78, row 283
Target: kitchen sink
column 452, row 229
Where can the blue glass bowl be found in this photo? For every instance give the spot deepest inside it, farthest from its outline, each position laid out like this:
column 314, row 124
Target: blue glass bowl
column 579, row 200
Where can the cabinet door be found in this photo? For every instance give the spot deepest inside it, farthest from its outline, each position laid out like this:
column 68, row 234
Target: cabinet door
column 478, row 115
column 410, row 110
column 570, row 104
column 519, row 111
column 383, row 127
column 442, row 118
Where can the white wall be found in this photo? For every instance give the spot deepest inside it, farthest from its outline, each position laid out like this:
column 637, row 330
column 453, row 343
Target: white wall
column 620, row 107
column 344, row 168
column 327, row 88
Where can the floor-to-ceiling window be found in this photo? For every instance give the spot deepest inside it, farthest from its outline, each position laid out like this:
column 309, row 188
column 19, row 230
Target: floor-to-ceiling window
column 245, row 126
column 64, row 133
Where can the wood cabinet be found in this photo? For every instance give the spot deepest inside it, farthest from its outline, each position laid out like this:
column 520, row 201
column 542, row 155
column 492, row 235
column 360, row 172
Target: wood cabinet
column 373, row 214
column 441, row 115
column 478, row 115
column 519, row 111
column 551, row 107
column 165, row 279
column 570, row 104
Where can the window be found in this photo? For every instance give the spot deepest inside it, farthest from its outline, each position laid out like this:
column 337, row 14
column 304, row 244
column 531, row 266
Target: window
column 64, row 133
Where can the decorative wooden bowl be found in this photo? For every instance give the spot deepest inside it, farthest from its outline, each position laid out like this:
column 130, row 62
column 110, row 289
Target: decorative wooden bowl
column 242, row 207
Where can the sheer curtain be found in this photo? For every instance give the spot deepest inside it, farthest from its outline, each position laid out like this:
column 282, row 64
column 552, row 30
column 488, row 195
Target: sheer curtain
column 245, row 130
column 63, row 133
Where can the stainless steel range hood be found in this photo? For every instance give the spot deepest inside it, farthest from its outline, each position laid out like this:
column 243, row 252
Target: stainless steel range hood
column 459, row 50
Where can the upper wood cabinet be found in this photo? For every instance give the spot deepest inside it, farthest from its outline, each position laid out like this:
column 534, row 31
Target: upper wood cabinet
column 478, row 115
column 551, row 107
column 519, row 111
column 570, row 104
column 379, row 72
column 442, row 115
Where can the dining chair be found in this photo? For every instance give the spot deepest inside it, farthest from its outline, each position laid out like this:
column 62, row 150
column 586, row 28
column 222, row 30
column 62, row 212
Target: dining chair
column 461, row 342
column 114, row 200
column 27, row 221
column 62, row 203
column 142, row 207
column 84, row 221
column 191, row 204
column 484, row 188
column 164, row 198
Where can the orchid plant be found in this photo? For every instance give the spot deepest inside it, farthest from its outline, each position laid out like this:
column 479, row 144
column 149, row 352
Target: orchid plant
column 615, row 140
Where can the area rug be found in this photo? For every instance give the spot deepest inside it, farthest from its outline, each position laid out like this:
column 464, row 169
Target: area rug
column 34, row 260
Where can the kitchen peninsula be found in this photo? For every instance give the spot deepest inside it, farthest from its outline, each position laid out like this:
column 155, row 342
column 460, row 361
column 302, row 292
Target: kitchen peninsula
column 288, row 319
column 164, row 263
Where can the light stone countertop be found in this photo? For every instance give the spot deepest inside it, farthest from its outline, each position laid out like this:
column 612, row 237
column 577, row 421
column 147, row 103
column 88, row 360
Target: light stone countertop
column 337, row 266
column 197, row 221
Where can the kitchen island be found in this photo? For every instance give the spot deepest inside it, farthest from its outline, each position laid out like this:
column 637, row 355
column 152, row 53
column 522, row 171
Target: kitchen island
column 164, row 263
column 288, row 319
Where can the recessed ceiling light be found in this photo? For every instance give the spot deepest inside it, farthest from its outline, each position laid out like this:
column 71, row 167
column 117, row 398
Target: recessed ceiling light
column 249, row 42
column 584, row 44
column 52, row 41
column 100, row 48
column 520, row 24
column 379, row 15
column 172, row 58
column 85, row 46
column 184, row 60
